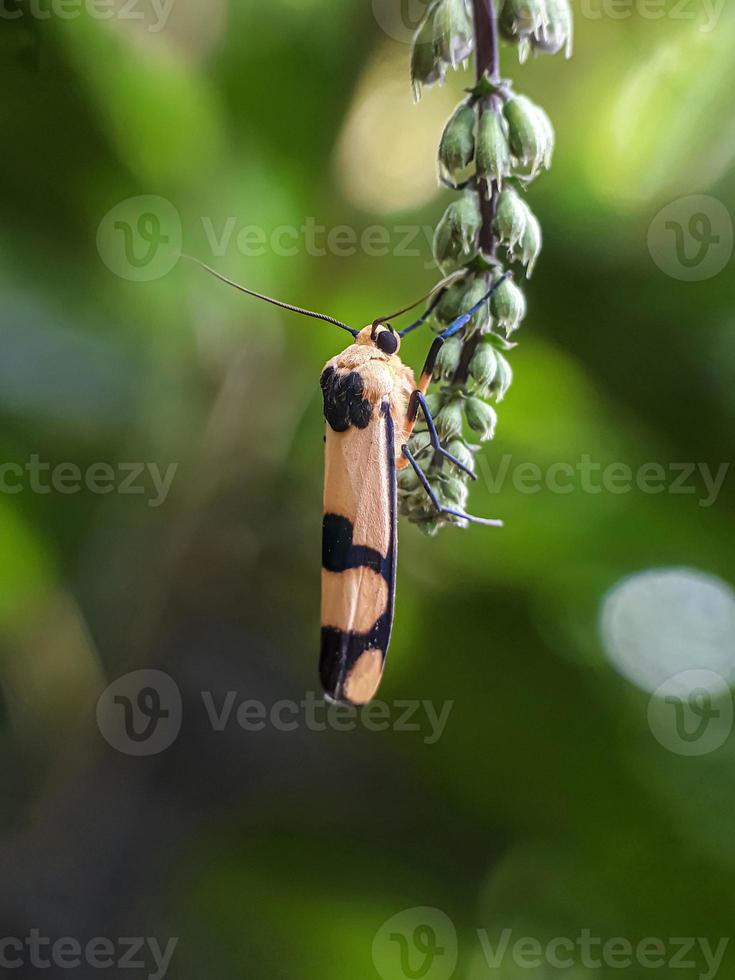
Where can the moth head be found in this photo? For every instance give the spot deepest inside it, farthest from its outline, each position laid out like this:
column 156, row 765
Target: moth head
column 380, row 335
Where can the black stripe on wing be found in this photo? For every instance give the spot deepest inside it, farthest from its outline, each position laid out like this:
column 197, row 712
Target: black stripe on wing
column 339, row 553
column 341, row 649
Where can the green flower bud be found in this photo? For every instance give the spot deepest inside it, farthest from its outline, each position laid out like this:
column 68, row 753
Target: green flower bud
column 473, row 294
column 415, row 502
column 481, row 417
column 444, row 39
column 449, row 306
column 455, row 239
column 453, row 32
column 419, row 443
column 431, row 526
column 484, row 365
column 457, row 147
column 408, row 481
column 517, row 228
column 522, row 18
column 506, row 25
column 541, row 25
column 511, row 217
column 449, row 422
column 548, row 127
column 447, row 361
column 468, row 218
column 531, row 243
column 405, row 511
column 426, row 68
column 529, row 133
column 503, row 378
column 493, row 157
column 453, row 490
column 558, row 30
column 434, row 401
column 508, row 305
column 460, row 449
column 518, row 22
column 460, row 298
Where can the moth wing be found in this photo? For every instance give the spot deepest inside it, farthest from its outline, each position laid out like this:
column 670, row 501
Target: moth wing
column 359, row 550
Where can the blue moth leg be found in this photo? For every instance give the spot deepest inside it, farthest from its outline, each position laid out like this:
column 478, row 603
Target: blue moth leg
column 425, row 315
column 434, row 435
column 428, row 368
column 441, row 509
column 461, row 321
column 417, row 398
column 465, row 318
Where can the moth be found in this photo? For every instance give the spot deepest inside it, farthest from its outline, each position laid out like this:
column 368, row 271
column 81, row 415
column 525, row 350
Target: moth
column 371, row 404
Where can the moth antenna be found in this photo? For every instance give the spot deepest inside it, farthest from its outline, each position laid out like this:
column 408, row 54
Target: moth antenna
column 269, row 299
column 392, row 316
column 434, row 295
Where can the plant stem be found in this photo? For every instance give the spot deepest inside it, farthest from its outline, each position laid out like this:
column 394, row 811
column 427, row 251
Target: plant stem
column 487, row 62
column 487, row 57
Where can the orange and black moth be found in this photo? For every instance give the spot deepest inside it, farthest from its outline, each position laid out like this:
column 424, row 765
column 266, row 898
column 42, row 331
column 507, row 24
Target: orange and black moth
column 371, row 404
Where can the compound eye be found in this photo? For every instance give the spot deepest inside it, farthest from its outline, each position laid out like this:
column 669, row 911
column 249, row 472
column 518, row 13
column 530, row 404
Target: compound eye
column 387, row 341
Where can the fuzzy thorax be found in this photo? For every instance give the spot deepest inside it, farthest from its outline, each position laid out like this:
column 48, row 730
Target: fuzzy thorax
column 385, row 377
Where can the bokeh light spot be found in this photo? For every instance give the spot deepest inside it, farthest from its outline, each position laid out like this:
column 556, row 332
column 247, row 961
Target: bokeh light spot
column 660, row 622
column 386, row 153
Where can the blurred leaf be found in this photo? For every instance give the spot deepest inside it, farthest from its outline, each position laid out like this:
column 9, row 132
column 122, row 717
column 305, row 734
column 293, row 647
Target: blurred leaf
column 668, row 127
column 160, row 112
column 26, row 568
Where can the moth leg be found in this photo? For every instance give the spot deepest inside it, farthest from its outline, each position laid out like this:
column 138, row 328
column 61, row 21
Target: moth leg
column 420, row 391
column 465, row 318
column 441, row 509
column 430, row 362
column 426, row 314
column 434, row 436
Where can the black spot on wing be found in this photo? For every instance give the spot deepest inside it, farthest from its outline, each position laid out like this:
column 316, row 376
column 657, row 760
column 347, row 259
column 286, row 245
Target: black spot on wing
column 339, row 553
column 360, row 413
column 340, row 650
column 344, row 405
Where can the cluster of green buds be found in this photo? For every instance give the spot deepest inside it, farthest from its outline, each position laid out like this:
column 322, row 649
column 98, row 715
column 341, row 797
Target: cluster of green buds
column 538, row 25
column 493, row 146
column 444, row 40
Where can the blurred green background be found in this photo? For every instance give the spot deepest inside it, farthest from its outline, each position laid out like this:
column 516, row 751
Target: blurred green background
column 550, row 802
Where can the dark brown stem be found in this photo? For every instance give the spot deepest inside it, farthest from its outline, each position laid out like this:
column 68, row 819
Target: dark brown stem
column 487, row 63
column 487, row 56
column 468, row 350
